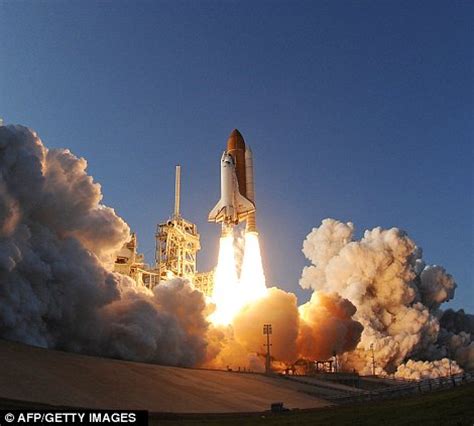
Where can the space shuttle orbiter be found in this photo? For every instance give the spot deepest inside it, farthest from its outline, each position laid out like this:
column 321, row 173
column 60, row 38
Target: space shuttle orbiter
column 237, row 202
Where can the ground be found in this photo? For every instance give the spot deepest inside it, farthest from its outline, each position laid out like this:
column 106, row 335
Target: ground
column 448, row 407
column 44, row 377
column 41, row 378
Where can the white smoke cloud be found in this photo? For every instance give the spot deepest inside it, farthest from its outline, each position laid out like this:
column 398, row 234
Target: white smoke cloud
column 417, row 370
column 327, row 327
column 396, row 295
column 165, row 327
column 56, row 243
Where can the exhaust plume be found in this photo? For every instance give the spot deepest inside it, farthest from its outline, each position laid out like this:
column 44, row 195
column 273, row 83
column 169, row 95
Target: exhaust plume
column 57, row 242
column 396, row 295
column 417, row 370
column 327, row 327
column 319, row 329
column 278, row 308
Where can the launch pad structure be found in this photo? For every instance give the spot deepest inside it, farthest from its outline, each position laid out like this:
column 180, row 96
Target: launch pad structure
column 177, row 242
column 129, row 262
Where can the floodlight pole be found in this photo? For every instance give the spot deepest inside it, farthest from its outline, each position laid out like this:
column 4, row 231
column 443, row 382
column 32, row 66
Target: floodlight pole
column 449, row 358
column 267, row 330
column 373, row 359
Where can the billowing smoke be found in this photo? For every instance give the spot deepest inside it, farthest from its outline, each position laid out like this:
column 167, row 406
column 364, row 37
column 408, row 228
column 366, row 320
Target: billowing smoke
column 396, row 295
column 57, row 242
column 456, row 336
column 417, row 370
column 225, row 352
column 277, row 308
column 327, row 327
column 317, row 330
column 165, row 327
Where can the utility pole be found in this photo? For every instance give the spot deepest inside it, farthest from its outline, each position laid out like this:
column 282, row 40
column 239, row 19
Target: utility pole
column 373, row 359
column 449, row 358
column 267, row 330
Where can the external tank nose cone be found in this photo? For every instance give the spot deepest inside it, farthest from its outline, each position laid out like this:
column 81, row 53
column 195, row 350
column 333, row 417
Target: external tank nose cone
column 235, row 141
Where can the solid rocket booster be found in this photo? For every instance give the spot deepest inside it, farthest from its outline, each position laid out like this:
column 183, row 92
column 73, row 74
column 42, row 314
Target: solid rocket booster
column 251, row 225
column 237, row 202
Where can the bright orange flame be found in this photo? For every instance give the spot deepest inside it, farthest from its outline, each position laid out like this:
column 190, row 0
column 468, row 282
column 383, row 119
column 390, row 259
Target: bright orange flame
column 252, row 279
column 225, row 283
column 230, row 294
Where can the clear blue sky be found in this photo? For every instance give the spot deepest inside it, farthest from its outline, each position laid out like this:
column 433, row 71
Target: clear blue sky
column 357, row 110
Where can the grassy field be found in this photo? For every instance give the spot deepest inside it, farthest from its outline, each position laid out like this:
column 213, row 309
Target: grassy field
column 449, row 407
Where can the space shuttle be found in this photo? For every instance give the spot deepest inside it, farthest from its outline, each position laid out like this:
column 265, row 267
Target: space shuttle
column 237, row 202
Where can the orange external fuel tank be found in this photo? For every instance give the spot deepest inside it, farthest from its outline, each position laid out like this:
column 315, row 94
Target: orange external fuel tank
column 236, row 148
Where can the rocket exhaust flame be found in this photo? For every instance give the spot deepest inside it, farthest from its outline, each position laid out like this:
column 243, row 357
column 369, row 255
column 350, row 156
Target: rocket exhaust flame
column 252, row 278
column 231, row 293
column 225, row 283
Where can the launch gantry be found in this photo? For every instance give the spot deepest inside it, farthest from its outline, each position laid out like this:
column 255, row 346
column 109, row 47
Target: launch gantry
column 177, row 244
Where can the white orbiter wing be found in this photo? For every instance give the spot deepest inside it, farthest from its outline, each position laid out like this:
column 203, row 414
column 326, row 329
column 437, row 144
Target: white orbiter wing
column 234, row 212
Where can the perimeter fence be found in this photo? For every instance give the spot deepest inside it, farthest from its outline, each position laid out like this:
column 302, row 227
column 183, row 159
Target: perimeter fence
column 407, row 387
column 395, row 387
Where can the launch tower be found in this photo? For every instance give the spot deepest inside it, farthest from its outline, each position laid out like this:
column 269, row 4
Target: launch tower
column 177, row 242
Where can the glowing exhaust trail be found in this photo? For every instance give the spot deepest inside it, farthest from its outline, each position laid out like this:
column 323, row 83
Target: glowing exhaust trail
column 252, row 278
column 225, row 283
column 231, row 294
